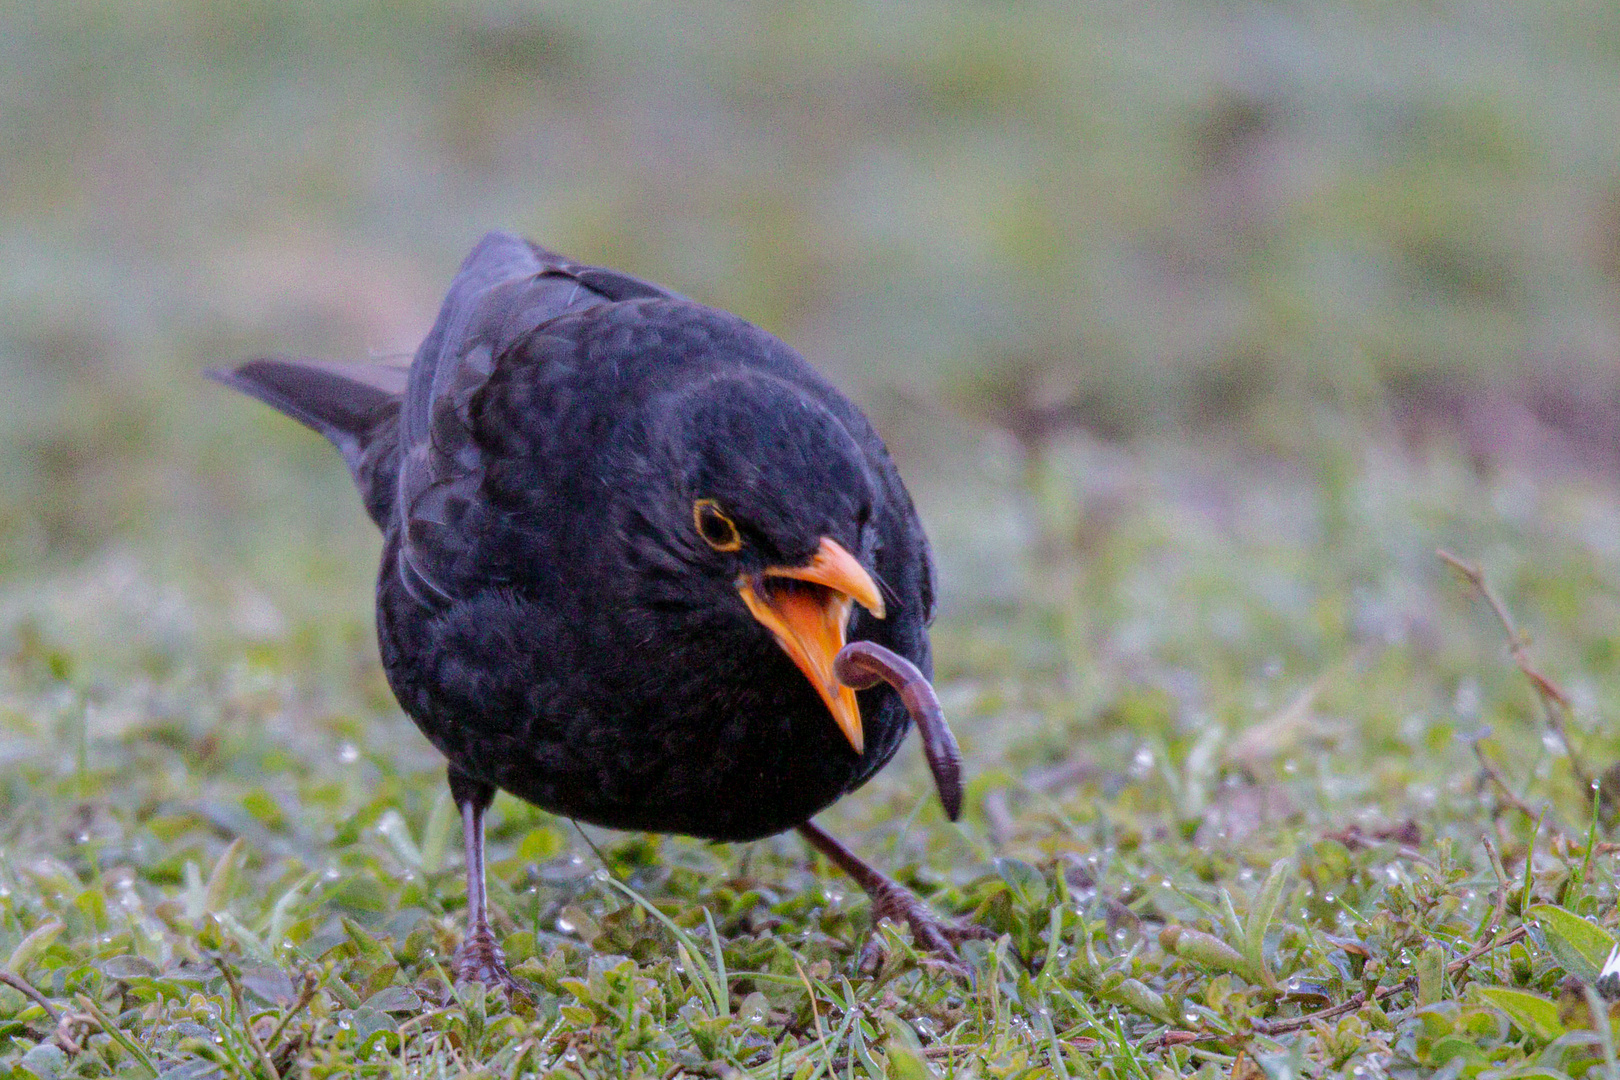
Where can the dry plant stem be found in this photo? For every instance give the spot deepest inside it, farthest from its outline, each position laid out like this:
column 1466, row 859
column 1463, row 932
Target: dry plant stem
column 1503, row 888
column 1082, row 1043
column 63, row 1036
column 1516, row 934
column 306, row 994
column 861, row 664
column 242, row 1015
column 1351, row 1004
column 24, row 987
column 1359, row 998
column 1555, row 704
column 1495, row 776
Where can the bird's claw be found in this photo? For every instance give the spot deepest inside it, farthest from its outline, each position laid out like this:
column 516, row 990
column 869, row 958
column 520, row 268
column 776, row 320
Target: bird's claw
column 931, row 934
column 480, row 959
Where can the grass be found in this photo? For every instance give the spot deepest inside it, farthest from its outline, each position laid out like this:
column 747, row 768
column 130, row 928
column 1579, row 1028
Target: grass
column 1228, row 810
column 1259, row 784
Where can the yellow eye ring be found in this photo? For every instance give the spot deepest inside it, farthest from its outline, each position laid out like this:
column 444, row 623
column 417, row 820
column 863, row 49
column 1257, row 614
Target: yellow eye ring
column 717, row 530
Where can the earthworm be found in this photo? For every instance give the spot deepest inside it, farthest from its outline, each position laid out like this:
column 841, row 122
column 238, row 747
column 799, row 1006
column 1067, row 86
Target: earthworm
column 861, row 664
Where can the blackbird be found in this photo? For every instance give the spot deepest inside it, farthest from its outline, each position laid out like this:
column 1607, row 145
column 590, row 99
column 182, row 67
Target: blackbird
column 627, row 538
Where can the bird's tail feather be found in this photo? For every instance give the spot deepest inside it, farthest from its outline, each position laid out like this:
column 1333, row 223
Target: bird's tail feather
column 341, row 401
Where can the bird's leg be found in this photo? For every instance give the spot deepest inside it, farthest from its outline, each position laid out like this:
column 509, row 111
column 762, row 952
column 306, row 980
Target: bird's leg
column 480, row 958
column 893, row 901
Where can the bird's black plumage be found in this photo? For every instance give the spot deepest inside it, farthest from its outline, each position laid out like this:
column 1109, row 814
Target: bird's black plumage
column 548, row 611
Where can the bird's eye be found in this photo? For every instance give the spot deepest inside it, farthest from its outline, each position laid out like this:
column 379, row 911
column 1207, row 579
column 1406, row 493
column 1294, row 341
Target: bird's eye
column 717, row 530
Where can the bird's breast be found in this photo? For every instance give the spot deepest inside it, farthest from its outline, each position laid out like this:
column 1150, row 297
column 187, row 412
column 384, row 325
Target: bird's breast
column 685, row 730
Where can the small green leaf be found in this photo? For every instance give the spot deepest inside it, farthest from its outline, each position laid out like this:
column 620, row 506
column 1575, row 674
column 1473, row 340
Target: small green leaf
column 1135, row 994
column 540, row 843
column 904, row 1051
column 394, row 829
column 1431, row 973
column 31, row 946
column 281, row 915
column 1579, row 946
column 45, row 1061
column 1534, row 1015
column 703, row 978
column 442, row 823
column 224, row 873
column 125, row 968
column 366, row 944
column 1026, row 882
column 1235, row 930
column 1260, row 916
column 1207, row 951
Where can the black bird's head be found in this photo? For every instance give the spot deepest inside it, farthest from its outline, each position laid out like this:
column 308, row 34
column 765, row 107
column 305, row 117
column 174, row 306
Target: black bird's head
column 766, row 513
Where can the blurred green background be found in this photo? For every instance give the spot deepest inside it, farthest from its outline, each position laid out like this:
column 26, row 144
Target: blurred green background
column 1197, row 265
column 1001, row 225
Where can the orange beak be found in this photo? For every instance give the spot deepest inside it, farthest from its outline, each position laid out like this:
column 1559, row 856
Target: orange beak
column 809, row 621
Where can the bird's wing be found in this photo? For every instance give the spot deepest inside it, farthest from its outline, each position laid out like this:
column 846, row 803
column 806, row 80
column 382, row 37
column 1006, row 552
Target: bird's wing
column 505, row 290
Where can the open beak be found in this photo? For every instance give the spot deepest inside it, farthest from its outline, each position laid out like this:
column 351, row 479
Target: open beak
column 807, row 609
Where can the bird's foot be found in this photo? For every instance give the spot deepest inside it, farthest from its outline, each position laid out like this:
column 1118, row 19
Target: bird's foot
column 894, row 902
column 480, row 959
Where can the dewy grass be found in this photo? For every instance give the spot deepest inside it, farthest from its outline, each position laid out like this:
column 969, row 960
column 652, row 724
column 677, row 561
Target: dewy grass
column 1222, row 806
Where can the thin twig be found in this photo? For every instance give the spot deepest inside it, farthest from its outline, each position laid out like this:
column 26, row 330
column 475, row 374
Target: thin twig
column 246, row 1021
column 1283, row 1027
column 1495, row 776
column 23, row 986
column 1502, row 891
column 1516, row 934
column 1359, row 998
column 1554, row 702
column 65, row 1031
column 1083, row 1043
column 306, row 994
column 1412, row 854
